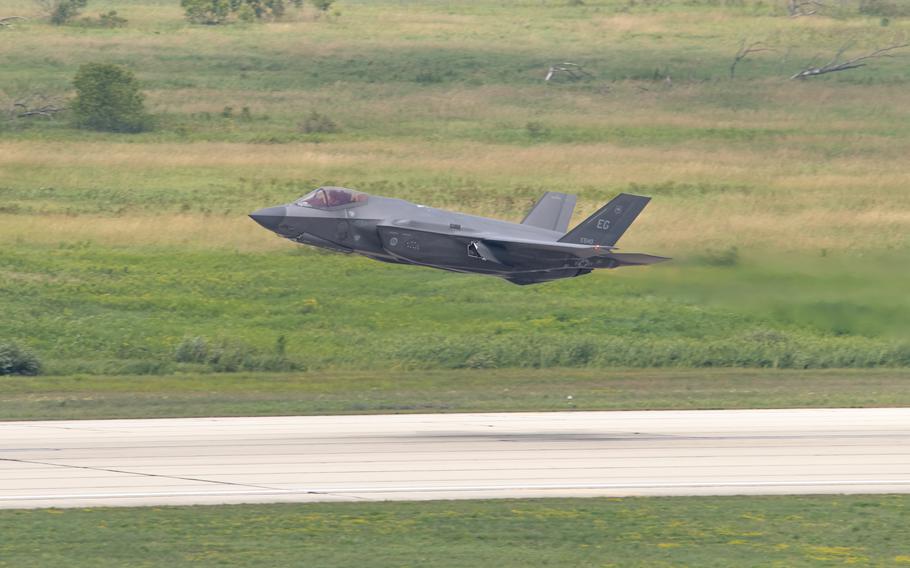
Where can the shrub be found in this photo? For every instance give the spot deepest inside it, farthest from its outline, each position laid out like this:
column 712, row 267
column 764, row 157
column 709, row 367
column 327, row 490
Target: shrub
column 315, row 122
column 108, row 98
column 246, row 14
column 213, row 12
column 192, row 350
column 111, row 20
column 725, row 257
column 757, row 348
column 323, row 5
column 63, row 11
column 885, row 8
column 15, row 360
column 209, row 12
column 267, row 9
column 228, row 357
column 537, row 130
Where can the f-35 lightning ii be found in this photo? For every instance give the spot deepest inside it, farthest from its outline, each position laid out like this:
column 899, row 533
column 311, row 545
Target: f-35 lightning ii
column 393, row 230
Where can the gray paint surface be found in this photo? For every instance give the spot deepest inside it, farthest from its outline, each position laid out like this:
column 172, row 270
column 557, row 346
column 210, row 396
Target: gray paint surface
column 552, row 212
column 393, row 230
column 453, row 456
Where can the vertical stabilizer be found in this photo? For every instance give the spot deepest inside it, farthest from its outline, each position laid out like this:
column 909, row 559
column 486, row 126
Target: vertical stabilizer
column 553, row 211
column 609, row 223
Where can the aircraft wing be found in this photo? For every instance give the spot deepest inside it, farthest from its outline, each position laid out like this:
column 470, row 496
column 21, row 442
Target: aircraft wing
column 446, row 232
column 449, row 245
column 526, row 246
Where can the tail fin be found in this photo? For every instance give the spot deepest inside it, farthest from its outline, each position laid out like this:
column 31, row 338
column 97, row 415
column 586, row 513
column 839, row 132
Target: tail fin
column 609, row 223
column 553, row 211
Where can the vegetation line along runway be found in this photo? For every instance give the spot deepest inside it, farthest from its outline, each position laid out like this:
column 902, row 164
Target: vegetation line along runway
column 463, row 390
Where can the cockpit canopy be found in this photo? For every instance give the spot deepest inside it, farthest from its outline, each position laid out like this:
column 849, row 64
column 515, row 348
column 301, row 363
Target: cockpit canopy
column 330, row 197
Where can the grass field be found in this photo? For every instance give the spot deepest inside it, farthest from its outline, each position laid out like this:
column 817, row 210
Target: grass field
column 128, row 265
column 784, row 203
column 466, row 390
column 689, row 531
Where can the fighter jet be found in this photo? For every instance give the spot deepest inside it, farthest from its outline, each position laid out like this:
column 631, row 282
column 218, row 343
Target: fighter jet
column 393, row 230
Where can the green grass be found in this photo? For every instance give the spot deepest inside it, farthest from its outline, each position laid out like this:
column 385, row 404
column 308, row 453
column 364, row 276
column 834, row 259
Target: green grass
column 690, row 531
column 108, row 309
column 258, row 394
column 783, row 203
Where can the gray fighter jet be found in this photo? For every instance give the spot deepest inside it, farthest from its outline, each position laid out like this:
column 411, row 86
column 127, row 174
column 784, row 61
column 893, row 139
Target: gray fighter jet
column 393, row 230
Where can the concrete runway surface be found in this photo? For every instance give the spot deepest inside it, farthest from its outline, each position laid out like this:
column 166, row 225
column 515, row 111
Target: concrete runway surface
column 453, row 456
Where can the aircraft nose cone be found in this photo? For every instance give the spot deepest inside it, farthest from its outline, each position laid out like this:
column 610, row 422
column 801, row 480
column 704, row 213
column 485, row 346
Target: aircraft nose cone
column 270, row 217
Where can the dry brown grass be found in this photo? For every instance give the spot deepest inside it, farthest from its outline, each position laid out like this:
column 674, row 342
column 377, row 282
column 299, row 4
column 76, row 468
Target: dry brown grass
column 671, row 228
column 826, row 169
column 791, row 201
column 778, row 167
column 193, row 231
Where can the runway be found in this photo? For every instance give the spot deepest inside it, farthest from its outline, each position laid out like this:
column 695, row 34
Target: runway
column 452, row 456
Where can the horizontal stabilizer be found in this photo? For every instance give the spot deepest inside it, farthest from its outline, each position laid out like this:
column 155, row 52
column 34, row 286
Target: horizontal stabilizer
column 609, row 223
column 552, row 212
column 634, row 258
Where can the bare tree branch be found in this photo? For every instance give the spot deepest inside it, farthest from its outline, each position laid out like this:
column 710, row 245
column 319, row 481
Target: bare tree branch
column 35, row 105
column 744, row 51
column 8, row 21
column 836, row 65
column 797, row 8
column 572, row 70
column 46, row 111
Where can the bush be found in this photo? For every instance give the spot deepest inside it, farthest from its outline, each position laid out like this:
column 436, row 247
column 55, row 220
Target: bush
column 246, row 14
column 315, row 122
column 886, row 8
column 725, row 257
column 267, row 9
column 537, row 130
column 323, row 5
column 15, row 360
column 213, row 12
column 192, row 350
column 208, row 12
column 108, row 98
column 227, row 357
column 757, row 348
column 111, row 20
column 63, row 11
